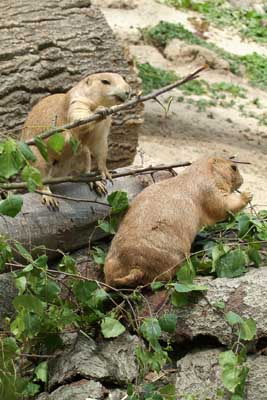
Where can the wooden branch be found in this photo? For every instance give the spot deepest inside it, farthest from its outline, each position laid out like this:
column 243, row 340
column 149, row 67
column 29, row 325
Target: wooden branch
column 93, row 177
column 115, row 109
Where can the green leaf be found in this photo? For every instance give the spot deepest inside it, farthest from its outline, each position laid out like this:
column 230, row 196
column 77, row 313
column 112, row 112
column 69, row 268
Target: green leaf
column 111, row 327
column 232, row 264
column 228, row 359
column 26, row 151
column 99, row 255
column 29, row 302
column 56, row 142
column 233, row 318
column 107, row 227
column 41, row 146
column 41, row 372
column 83, row 290
column 118, row 201
column 168, row 392
column 230, row 378
column 10, row 159
column 32, row 176
column 186, row 272
column 49, row 291
column 168, row 322
column 220, row 305
column 21, row 284
column 254, row 255
column 217, row 252
column 41, row 261
column 185, row 288
column 11, row 206
column 75, row 143
column 23, row 252
column 31, row 390
column 248, row 329
column 68, row 265
column 244, row 224
column 151, row 329
column 180, row 299
column 156, row 285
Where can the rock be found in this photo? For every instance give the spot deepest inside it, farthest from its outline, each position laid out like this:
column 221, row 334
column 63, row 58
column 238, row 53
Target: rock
column 180, row 53
column 7, row 293
column 120, row 4
column 109, row 361
column 80, row 390
column 149, row 54
column 246, row 3
column 204, row 378
column 245, row 295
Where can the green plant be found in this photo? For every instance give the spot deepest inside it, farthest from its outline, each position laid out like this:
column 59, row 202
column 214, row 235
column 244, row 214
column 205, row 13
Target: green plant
column 155, row 78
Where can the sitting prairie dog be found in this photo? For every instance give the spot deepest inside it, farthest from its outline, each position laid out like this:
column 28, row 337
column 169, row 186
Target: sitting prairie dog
column 89, row 95
column 156, row 234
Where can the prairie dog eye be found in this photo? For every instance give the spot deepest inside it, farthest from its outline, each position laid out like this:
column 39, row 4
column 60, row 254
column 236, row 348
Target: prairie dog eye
column 234, row 167
column 105, row 82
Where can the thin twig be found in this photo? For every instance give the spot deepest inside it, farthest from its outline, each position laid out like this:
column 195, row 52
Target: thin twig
column 93, row 177
column 59, row 196
column 115, row 109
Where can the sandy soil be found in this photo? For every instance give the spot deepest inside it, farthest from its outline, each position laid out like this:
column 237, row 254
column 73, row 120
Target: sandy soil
column 188, row 133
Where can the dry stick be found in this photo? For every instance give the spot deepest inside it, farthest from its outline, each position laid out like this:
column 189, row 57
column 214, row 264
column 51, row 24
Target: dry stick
column 99, row 115
column 93, row 177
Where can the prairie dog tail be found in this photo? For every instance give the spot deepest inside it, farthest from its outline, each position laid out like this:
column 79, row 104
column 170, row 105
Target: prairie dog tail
column 115, row 275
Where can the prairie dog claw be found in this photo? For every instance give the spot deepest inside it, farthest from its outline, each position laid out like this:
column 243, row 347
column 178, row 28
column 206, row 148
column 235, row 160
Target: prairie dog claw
column 51, row 202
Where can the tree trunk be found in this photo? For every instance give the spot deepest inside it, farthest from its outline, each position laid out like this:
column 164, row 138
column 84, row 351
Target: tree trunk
column 47, row 47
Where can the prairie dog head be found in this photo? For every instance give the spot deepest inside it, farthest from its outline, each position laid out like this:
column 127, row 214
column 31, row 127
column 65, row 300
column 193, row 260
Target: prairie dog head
column 103, row 89
column 226, row 171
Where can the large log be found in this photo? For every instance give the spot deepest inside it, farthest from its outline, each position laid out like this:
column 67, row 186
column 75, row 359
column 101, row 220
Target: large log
column 48, row 46
column 72, row 225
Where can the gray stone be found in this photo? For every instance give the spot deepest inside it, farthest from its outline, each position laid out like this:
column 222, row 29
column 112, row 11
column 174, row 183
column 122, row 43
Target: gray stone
column 7, row 293
column 199, row 374
column 80, row 390
column 108, row 361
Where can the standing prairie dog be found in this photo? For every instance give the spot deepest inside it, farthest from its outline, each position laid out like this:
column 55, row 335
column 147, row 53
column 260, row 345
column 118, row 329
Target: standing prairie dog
column 156, row 234
column 86, row 97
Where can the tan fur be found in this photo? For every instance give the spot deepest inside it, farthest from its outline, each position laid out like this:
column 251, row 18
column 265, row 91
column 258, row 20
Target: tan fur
column 156, row 233
column 81, row 101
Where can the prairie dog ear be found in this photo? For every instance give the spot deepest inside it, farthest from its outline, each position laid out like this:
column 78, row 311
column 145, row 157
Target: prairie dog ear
column 88, row 80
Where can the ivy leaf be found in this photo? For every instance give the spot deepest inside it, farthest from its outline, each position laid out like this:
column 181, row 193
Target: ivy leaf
column 56, row 142
column 49, row 291
column 232, row 318
column 217, row 252
column 219, row 304
column 41, row 372
column 83, row 290
column 68, row 264
column 107, row 227
column 118, row 201
column 248, row 329
column 168, row 392
column 99, row 255
column 11, row 206
column 10, row 159
column 186, row 272
column 21, row 283
column 156, row 285
column 41, row 146
column 168, row 322
column 243, row 225
column 254, row 255
column 111, row 327
column 151, row 329
column 232, row 264
column 23, row 252
column 32, row 176
column 26, row 151
column 185, row 288
column 179, row 299
column 29, row 302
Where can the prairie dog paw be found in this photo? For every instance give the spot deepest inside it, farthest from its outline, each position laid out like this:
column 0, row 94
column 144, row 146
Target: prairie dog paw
column 246, row 196
column 50, row 202
column 103, row 111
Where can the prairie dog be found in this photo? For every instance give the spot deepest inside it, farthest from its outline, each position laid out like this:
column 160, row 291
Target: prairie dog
column 91, row 93
column 156, row 233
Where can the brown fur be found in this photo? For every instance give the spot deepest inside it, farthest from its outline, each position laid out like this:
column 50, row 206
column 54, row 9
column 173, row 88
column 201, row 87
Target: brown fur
column 82, row 100
column 156, row 234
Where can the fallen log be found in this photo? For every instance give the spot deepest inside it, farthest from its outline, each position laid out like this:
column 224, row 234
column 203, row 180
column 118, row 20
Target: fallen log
column 75, row 223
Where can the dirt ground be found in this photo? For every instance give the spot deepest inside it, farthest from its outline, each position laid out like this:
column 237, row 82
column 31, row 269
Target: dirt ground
column 187, row 133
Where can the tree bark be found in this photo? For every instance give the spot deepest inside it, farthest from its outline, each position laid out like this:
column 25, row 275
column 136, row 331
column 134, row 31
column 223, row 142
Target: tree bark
column 47, row 47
